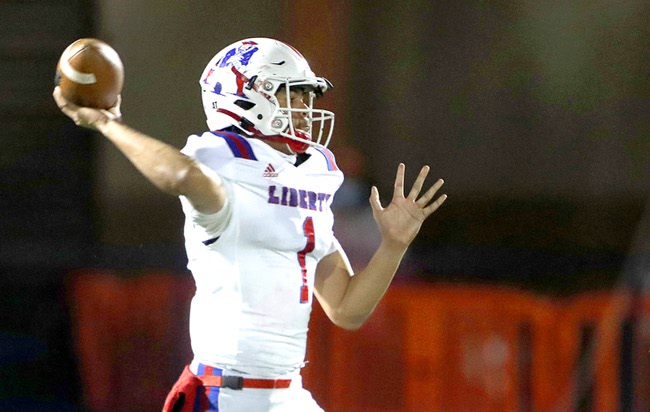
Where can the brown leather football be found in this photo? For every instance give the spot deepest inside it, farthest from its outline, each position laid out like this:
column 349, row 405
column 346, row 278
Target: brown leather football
column 90, row 73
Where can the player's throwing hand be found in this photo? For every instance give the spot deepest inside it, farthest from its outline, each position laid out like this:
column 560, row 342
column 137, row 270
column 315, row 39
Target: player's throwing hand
column 86, row 116
column 401, row 220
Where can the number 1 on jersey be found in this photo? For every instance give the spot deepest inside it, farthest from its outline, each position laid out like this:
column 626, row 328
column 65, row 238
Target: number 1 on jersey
column 308, row 229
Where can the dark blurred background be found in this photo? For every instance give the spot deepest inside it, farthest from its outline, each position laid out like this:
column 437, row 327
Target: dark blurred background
column 535, row 114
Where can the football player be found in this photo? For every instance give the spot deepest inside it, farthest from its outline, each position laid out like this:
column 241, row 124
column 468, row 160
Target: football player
column 257, row 190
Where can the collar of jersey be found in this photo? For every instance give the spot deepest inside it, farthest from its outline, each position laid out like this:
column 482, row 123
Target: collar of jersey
column 262, row 145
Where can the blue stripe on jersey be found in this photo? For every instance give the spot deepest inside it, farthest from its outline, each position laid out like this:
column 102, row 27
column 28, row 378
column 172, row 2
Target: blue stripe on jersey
column 329, row 158
column 207, row 397
column 210, row 241
column 213, row 399
column 198, row 399
column 238, row 145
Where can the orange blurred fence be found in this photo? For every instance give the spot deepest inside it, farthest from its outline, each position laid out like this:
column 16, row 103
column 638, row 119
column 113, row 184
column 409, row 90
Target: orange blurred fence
column 426, row 348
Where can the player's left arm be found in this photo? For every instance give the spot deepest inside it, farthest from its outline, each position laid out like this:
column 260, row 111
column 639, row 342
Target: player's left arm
column 349, row 300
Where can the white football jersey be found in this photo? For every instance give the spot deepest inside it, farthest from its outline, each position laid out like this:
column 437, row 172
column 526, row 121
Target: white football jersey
column 254, row 261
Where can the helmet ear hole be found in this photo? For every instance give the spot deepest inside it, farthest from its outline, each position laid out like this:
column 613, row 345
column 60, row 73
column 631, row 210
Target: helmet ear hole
column 268, row 86
column 277, row 123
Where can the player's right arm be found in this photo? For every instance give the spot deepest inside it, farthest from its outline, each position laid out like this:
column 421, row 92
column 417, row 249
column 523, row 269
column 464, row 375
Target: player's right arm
column 162, row 164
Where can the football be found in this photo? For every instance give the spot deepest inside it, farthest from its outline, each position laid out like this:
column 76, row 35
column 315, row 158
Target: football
column 90, row 74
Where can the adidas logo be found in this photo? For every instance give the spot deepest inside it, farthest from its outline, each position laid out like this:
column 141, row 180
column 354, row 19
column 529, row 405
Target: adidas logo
column 270, row 171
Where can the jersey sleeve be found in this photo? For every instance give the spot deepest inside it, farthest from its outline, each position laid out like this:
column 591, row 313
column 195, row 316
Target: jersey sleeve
column 209, row 150
column 210, row 225
column 214, row 157
column 336, row 247
column 326, row 159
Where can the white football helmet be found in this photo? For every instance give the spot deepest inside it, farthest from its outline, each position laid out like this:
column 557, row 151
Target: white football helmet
column 238, row 89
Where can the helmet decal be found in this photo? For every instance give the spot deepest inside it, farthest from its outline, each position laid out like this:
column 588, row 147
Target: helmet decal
column 207, row 76
column 240, row 55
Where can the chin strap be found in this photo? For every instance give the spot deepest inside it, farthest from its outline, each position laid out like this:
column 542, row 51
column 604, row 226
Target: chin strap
column 294, row 146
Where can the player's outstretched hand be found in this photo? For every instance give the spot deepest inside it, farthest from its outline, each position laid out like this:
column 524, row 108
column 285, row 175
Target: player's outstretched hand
column 86, row 116
column 401, row 220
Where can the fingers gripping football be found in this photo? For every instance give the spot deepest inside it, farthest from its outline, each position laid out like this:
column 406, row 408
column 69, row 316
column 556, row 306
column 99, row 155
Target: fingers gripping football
column 86, row 116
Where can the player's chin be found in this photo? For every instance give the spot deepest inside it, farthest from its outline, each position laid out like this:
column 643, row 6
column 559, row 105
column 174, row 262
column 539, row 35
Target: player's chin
column 301, row 124
column 305, row 132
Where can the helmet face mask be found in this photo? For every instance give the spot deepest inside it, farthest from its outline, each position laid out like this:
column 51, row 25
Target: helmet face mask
column 239, row 88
